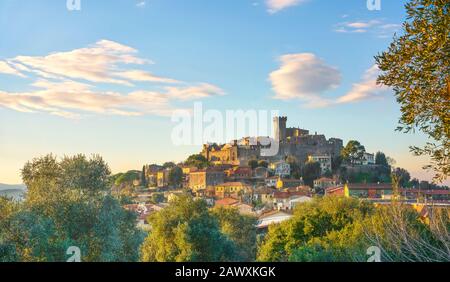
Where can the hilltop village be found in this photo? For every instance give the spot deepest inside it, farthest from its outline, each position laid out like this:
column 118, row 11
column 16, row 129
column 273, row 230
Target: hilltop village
column 307, row 165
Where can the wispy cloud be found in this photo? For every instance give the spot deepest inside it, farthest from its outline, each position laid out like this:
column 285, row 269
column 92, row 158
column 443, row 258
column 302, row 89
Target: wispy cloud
column 65, row 84
column 307, row 78
column 274, row 6
column 8, row 69
column 141, row 4
column 367, row 88
column 378, row 27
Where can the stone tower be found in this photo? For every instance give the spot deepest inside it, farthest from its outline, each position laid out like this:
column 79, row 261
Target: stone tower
column 279, row 128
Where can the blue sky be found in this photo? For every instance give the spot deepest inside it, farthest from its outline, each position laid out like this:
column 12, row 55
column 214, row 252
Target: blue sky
column 130, row 63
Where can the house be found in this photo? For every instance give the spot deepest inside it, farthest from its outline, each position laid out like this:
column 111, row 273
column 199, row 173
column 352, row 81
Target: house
column 335, row 190
column 273, row 217
column 271, row 181
column 323, row 160
column 142, row 211
column 288, row 200
column 263, row 194
column 245, row 209
column 231, row 188
column 162, row 178
column 368, row 190
column 283, row 183
column 239, row 173
column 281, row 169
column 261, row 173
column 201, row 179
column 226, row 202
column 368, row 159
column 324, row 182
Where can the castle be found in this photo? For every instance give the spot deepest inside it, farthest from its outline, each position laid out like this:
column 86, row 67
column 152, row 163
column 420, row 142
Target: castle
column 295, row 142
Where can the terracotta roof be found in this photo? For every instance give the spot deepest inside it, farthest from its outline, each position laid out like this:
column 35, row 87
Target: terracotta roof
column 332, row 189
column 226, row 202
column 286, row 195
column 367, row 186
column 270, row 213
column 228, row 184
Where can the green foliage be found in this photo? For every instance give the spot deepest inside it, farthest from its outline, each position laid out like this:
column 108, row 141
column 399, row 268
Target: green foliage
column 296, row 171
column 353, row 152
column 263, row 163
column 417, row 67
column 127, row 178
column 175, row 176
column 144, row 182
column 402, row 175
column 63, row 209
column 198, row 161
column 380, row 159
column 186, row 231
column 169, row 165
column 157, row 198
column 240, row 229
column 311, row 171
column 329, row 223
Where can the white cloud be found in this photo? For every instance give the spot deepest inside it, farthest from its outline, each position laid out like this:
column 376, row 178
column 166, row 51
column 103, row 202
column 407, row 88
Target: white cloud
column 307, row 78
column 66, row 84
column 304, row 76
column 367, row 88
column 97, row 63
column 72, row 99
column 274, row 6
column 141, row 4
column 8, row 69
column 377, row 27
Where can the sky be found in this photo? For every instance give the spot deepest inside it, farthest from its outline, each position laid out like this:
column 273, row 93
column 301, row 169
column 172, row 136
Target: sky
column 107, row 78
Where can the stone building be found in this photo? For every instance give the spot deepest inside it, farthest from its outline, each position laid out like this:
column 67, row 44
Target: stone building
column 201, row 179
column 292, row 141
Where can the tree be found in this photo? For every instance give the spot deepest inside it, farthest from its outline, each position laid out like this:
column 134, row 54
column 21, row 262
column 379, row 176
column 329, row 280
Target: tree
column 402, row 236
column 380, row 159
column 296, row 171
column 240, row 229
column 353, row 152
column 253, row 164
column 175, row 176
column 169, row 165
column 403, row 176
column 311, row 171
column 417, row 67
column 263, row 163
column 197, row 160
column 143, row 178
column 327, row 228
column 157, row 198
column 68, row 204
column 186, row 231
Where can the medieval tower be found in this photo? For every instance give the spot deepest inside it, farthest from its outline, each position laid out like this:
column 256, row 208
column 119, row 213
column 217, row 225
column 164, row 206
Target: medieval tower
column 279, row 127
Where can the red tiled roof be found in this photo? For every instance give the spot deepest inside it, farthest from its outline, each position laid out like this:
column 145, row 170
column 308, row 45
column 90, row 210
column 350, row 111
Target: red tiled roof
column 286, row 195
column 228, row 184
column 226, row 202
column 367, row 186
